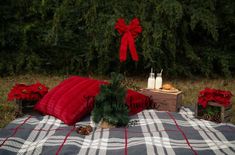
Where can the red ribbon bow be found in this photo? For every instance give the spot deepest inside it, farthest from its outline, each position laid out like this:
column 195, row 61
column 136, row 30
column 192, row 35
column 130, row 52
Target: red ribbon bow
column 128, row 33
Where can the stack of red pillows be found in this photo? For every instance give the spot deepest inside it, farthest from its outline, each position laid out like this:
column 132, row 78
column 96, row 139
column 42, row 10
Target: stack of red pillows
column 73, row 98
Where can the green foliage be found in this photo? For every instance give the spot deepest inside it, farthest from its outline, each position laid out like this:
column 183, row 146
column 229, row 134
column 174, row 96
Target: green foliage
column 215, row 60
column 110, row 103
column 185, row 37
column 210, row 110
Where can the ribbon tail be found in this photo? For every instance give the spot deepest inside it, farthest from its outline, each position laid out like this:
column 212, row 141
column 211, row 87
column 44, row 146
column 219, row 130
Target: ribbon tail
column 132, row 48
column 123, row 48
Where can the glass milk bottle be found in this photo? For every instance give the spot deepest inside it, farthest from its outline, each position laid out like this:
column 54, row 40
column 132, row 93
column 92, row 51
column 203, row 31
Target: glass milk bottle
column 151, row 80
column 158, row 82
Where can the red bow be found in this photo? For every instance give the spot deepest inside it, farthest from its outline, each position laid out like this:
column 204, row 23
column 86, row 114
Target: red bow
column 129, row 33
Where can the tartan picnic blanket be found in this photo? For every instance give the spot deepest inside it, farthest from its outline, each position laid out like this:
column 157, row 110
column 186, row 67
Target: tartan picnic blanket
column 149, row 132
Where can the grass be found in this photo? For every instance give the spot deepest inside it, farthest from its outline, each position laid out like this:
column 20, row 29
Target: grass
column 8, row 109
column 189, row 87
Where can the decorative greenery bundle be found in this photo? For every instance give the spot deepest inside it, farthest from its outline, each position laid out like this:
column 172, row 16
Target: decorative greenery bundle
column 110, row 104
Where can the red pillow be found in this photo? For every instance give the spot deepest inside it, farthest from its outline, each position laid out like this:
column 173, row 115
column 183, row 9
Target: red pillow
column 73, row 98
column 136, row 102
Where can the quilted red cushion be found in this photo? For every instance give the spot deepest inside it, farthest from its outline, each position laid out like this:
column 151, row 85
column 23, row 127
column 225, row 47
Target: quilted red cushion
column 73, row 98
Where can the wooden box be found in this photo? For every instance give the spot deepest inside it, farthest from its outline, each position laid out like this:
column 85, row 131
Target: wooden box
column 225, row 113
column 25, row 107
column 164, row 101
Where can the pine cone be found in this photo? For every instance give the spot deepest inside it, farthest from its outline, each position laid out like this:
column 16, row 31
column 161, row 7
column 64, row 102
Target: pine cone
column 84, row 130
column 206, row 117
column 216, row 118
column 89, row 128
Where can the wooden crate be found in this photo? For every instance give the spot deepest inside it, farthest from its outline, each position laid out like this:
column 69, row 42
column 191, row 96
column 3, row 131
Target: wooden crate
column 225, row 112
column 164, row 101
column 26, row 107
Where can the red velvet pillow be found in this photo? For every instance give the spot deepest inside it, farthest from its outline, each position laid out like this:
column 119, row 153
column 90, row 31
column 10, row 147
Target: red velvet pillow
column 73, row 98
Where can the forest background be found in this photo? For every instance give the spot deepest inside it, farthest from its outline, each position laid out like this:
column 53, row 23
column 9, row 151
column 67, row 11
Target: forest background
column 186, row 38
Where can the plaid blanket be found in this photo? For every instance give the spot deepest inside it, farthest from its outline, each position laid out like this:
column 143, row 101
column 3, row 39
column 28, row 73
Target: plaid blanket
column 149, row 132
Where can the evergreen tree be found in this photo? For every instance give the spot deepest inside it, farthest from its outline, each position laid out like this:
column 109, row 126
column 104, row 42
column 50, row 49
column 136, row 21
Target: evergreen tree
column 185, row 37
column 110, row 103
